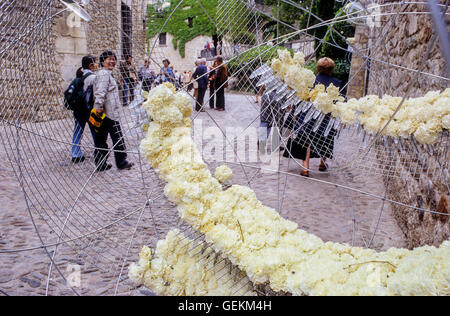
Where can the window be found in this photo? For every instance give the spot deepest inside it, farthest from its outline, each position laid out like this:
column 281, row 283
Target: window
column 163, row 39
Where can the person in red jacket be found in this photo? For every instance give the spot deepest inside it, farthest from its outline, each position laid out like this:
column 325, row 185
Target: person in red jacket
column 221, row 83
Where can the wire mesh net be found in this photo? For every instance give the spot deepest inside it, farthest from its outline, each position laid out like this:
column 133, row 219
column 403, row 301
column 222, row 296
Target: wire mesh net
column 101, row 220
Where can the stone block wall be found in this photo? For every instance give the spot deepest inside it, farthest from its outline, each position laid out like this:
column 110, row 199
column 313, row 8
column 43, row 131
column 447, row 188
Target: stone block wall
column 193, row 51
column 403, row 40
column 358, row 74
column 30, row 80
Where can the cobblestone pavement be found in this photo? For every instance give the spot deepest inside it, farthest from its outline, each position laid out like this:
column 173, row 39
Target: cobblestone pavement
column 107, row 220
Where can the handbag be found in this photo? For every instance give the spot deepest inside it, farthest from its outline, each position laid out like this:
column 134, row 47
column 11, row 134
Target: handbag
column 96, row 120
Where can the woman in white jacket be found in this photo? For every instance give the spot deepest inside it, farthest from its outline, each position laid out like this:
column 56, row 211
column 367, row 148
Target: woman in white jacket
column 107, row 101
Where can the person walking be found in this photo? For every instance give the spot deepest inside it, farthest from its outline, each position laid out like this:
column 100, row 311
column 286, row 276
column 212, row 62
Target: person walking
column 271, row 112
column 81, row 112
column 201, row 76
column 188, row 81
column 256, row 89
column 79, row 73
column 221, row 82
column 146, row 75
column 107, row 106
column 212, row 85
column 310, row 144
column 129, row 77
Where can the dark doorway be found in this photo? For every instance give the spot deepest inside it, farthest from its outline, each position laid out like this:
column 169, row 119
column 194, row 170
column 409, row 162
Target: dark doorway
column 127, row 28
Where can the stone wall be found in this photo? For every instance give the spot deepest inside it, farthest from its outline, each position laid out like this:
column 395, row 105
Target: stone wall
column 403, row 40
column 105, row 32
column 42, row 47
column 30, row 80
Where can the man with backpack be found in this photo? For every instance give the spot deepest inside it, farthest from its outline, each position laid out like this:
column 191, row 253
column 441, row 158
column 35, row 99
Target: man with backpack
column 79, row 98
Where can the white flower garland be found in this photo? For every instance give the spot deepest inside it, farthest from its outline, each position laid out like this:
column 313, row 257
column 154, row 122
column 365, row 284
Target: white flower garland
column 424, row 117
column 178, row 268
column 259, row 241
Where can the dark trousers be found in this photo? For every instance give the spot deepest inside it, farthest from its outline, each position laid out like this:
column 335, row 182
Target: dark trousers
column 128, row 91
column 113, row 129
column 200, row 98
column 212, row 97
column 131, row 84
column 147, row 84
column 220, row 98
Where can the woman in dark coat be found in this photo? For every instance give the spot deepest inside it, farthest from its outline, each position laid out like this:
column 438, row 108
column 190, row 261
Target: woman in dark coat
column 309, row 144
column 221, row 82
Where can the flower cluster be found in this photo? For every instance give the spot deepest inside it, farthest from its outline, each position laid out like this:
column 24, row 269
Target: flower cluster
column 424, row 117
column 268, row 248
column 178, row 267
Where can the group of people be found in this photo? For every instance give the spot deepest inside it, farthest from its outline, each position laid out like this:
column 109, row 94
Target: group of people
column 99, row 105
column 311, row 140
column 212, row 51
column 215, row 78
column 199, row 80
column 146, row 75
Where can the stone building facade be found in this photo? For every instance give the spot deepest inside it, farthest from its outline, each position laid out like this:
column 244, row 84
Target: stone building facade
column 30, row 81
column 403, row 40
column 42, row 47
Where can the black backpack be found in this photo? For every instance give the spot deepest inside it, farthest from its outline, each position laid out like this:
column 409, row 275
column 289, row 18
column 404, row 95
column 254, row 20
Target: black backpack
column 75, row 98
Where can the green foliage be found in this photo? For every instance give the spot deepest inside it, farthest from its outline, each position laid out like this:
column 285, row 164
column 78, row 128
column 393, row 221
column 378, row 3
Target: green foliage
column 341, row 70
column 323, row 9
column 178, row 25
column 239, row 28
column 333, row 45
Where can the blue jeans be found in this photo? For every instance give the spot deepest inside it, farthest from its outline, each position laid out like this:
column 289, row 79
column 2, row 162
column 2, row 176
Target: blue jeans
column 276, row 138
column 101, row 153
column 80, row 124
